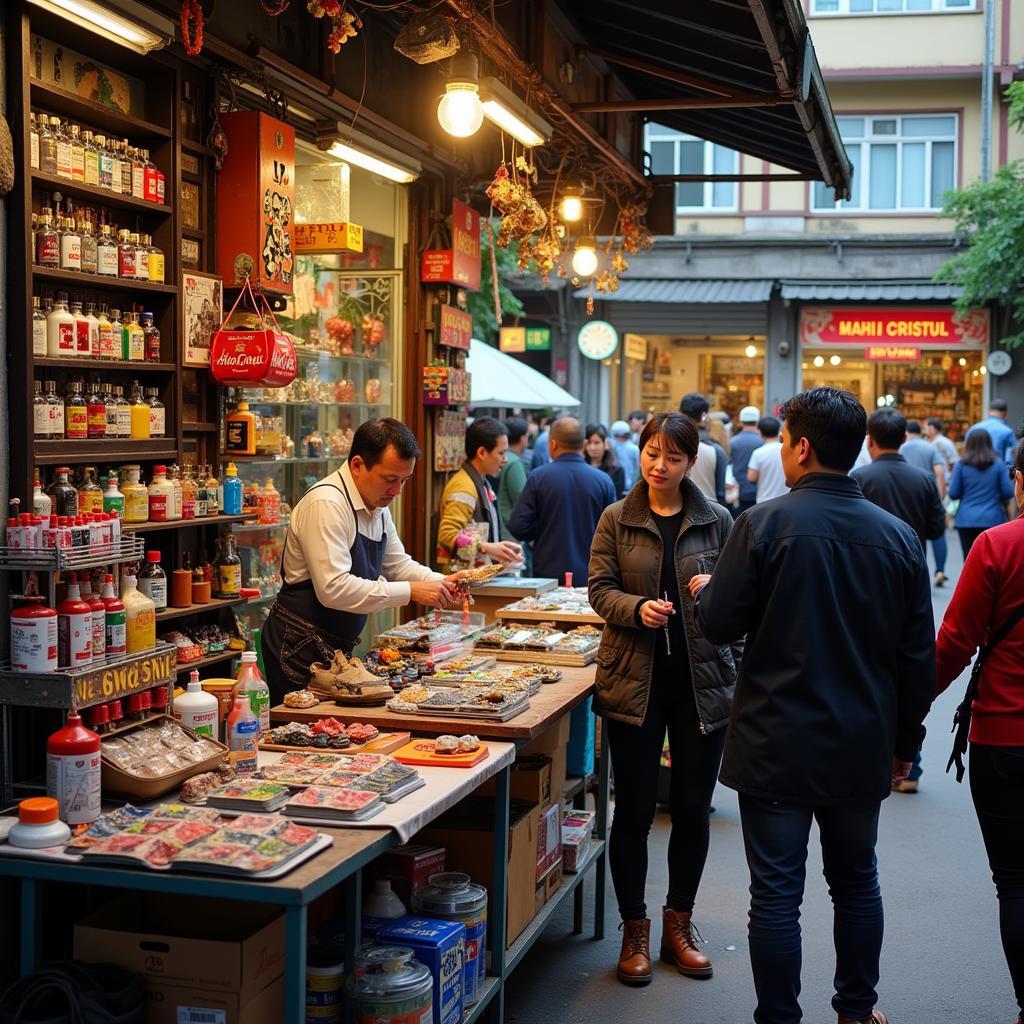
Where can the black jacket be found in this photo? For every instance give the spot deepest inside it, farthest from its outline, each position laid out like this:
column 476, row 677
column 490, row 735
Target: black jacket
column 907, row 491
column 838, row 672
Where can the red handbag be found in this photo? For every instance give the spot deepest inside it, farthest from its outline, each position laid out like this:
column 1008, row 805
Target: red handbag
column 249, row 357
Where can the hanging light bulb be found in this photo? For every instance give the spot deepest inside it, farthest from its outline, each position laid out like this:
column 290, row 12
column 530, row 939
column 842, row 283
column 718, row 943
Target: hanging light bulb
column 750, row 351
column 584, row 257
column 835, row 360
column 570, row 209
column 819, row 361
column 459, row 111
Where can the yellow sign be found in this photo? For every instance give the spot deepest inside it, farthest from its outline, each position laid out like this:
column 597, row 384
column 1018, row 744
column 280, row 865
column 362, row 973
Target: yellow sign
column 512, row 339
column 327, row 238
column 635, row 346
column 119, row 680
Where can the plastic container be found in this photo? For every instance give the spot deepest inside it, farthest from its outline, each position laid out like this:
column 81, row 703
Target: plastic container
column 74, row 628
column 241, row 735
column 389, row 986
column 114, row 620
column 140, row 617
column 73, row 771
column 451, row 896
column 39, row 826
column 136, row 496
column 382, row 901
column 240, row 431
column 33, row 637
column 325, row 979
column 222, row 689
column 251, row 683
column 161, row 496
column 198, row 709
column 232, row 491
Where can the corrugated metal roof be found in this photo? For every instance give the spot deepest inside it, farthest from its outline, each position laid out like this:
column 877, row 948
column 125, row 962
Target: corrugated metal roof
column 695, row 292
column 870, row 291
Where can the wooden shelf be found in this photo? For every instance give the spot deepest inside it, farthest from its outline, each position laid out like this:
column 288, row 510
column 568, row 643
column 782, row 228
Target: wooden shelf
column 200, row 428
column 53, row 453
column 212, row 659
column 94, row 115
column 195, row 148
column 92, row 365
column 197, row 609
column 74, row 279
column 101, row 196
column 180, row 524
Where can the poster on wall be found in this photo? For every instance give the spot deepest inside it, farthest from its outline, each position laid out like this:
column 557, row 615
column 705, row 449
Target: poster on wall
column 202, row 313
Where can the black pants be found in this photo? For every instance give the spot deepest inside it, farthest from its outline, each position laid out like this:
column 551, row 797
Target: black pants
column 968, row 535
column 775, row 837
column 636, row 758
column 997, row 786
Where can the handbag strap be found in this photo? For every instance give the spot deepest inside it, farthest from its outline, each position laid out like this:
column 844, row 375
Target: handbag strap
column 962, row 717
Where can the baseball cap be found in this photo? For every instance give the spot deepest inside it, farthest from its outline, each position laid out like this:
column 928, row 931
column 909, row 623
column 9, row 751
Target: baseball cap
column 619, row 427
column 750, row 414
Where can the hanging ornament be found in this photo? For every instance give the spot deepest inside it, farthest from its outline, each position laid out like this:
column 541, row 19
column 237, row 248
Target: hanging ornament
column 275, row 7
column 217, row 140
column 192, row 27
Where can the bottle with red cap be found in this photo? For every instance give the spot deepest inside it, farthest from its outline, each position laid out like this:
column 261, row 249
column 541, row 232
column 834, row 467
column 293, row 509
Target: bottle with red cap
column 114, row 620
column 74, row 628
column 153, row 581
column 33, row 636
column 73, row 771
column 99, row 613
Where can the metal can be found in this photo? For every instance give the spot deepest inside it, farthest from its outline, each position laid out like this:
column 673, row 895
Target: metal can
column 390, row 986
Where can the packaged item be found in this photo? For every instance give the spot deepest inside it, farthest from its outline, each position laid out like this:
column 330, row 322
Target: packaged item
column 73, row 771
column 33, row 636
column 440, row 947
column 240, row 431
column 325, row 978
column 232, row 491
column 39, row 825
column 198, row 709
column 409, row 867
column 577, row 830
column 153, row 581
column 251, row 683
column 241, row 734
column 140, row 617
column 115, row 620
column 74, row 628
column 388, row 985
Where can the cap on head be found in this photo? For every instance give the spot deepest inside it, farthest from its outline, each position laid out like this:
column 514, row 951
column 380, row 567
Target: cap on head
column 750, row 414
column 620, row 428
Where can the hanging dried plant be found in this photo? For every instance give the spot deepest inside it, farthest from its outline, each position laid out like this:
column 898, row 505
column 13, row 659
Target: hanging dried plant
column 192, row 27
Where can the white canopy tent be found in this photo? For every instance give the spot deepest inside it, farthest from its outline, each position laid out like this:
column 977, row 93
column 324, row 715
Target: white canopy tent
column 499, row 381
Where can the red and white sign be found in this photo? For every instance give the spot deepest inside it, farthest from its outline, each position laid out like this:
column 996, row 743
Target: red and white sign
column 931, row 328
column 459, row 265
column 892, row 353
column 455, row 328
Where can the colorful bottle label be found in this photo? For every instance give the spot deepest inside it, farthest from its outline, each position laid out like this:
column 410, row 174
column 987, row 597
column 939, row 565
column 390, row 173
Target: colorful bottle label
column 73, row 780
column 158, row 507
column 77, row 419
column 116, row 631
column 229, row 583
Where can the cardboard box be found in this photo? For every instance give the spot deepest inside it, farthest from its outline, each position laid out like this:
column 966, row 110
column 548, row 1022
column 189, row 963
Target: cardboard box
column 169, row 1004
column 577, row 834
column 441, row 945
column 466, row 831
column 409, row 867
column 552, row 743
column 553, row 881
column 529, row 781
column 549, row 840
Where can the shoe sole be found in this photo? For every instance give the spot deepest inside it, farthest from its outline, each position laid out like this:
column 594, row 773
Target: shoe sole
column 632, row 980
column 690, row 972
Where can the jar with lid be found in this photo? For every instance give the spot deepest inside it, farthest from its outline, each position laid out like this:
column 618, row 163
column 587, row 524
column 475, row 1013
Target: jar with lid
column 157, row 413
column 76, row 413
column 38, row 328
column 389, row 983
column 140, row 414
column 136, row 496
column 60, row 329
column 39, row 826
column 161, row 495
column 40, row 413
column 63, row 495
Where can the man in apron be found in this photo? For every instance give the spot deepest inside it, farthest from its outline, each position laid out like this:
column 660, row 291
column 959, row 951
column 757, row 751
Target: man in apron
column 343, row 560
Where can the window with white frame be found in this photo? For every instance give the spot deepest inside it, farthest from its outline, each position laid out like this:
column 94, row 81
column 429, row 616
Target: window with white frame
column 672, row 152
column 891, row 6
column 900, row 162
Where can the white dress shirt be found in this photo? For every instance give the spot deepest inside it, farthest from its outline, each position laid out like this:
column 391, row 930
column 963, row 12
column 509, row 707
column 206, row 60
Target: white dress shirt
column 318, row 548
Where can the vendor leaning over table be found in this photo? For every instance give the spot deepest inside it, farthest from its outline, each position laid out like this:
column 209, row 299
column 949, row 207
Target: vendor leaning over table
column 343, row 559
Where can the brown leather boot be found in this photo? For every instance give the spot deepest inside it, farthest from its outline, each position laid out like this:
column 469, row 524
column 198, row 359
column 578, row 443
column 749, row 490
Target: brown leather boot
column 679, row 947
column 635, row 958
column 877, row 1017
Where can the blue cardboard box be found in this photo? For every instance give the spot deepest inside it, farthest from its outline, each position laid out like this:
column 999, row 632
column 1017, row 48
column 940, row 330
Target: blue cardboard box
column 441, row 946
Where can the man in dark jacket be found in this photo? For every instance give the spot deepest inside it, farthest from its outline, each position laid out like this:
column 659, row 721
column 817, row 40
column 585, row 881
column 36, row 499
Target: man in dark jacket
column 696, row 406
column 892, row 483
column 833, row 595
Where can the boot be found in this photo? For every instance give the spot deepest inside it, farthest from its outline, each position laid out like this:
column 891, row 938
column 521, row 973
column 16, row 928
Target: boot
column 877, row 1017
column 679, row 947
column 635, row 958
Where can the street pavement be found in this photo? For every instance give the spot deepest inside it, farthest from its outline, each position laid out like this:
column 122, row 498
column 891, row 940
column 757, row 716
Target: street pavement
column 941, row 963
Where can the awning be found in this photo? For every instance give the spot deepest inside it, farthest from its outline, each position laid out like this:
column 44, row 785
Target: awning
column 870, row 291
column 757, row 53
column 683, row 292
column 501, row 382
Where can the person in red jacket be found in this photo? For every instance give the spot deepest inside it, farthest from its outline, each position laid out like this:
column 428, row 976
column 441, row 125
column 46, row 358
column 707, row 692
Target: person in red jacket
column 991, row 588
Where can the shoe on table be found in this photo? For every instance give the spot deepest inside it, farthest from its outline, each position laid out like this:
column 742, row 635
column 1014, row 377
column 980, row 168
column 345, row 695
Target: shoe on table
column 877, row 1017
column 905, row 786
column 679, row 947
column 634, row 966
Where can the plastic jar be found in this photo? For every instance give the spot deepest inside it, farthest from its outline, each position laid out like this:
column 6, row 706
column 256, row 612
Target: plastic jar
column 325, row 977
column 39, row 825
column 451, row 896
column 389, row 986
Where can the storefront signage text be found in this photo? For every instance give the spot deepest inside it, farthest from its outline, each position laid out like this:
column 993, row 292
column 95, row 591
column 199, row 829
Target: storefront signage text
column 512, row 339
column 328, row 238
column 459, row 265
column 538, row 339
column 114, row 682
column 455, row 327
column 893, row 353
column 940, row 327
column 635, row 346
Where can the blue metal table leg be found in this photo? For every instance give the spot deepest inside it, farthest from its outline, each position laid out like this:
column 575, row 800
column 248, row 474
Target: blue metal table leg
column 29, row 926
column 600, row 871
column 295, row 965
column 499, row 880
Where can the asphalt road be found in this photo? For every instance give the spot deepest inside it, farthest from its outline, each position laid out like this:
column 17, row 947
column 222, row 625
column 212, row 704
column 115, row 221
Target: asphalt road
column 941, row 963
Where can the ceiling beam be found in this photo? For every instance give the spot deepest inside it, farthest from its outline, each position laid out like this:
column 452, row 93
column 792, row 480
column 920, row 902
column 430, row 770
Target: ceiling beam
column 668, row 179
column 656, row 71
column 680, row 103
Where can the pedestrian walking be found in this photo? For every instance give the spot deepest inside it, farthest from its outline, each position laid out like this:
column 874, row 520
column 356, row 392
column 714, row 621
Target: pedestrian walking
column 987, row 612
column 743, row 445
column 981, row 485
column 832, row 594
column 927, row 456
column 710, row 470
column 765, row 469
column 637, row 421
column 626, row 452
column 599, row 454
column 657, row 671
column 512, row 478
column 1004, row 440
column 934, row 435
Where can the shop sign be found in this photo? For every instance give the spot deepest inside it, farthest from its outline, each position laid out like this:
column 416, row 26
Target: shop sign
column 446, row 385
column 635, row 346
column 941, row 327
column 562, row 372
column 892, row 353
column 119, row 680
column 459, row 265
column 512, row 339
column 454, row 327
column 597, row 339
column 538, row 339
column 328, row 238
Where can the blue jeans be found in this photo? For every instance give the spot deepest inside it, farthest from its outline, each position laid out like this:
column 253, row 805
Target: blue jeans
column 916, row 771
column 940, row 550
column 775, row 837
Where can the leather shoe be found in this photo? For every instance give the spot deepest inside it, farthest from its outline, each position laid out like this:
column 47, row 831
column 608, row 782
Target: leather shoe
column 905, row 786
column 635, row 957
column 679, row 947
column 877, row 1017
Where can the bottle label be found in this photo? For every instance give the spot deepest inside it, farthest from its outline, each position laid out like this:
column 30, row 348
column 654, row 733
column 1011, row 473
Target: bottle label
column 124, row 420
column 259, row 701
column 70, row 252
column 74, row 639
column 110, row 411
column 97, row 418
column 99, row 636
column 116, row 633
column 229, row 581
column 136, row 505
column 41, row 420
column 89, row 256
column 161, row 188
column 151, row 185
column 48, row 250
column 156, row 266
column 67, row 345
column 34, row 143
column 63, row 159
column 33, row 644
column 73, row 780
column 77, row 421
column 106, row 261
column 188, row 508
column 82, row 338
column 142, row 264
column 39, row 337
column 157, row 422
column 155, row 589
column 238, row 436
column 142, row 630
column 202, row 722
column 77, row 163
column 89, row 501
column 202, row 506
column 92, row 168
column 56, row 412
column 138, row 181
column 158, row 508
column 125, row 261
column 136, row 345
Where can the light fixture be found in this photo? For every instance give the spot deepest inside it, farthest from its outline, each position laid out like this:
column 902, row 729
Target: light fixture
column 819, row 361
column 750, row 351
column 983, row 371
column 835, row 360
column 459, row 110
column 880, row 402
column 570, row 209
column 124, row 22
column 511, row 114
column 584, row 257
column 356, row 148
column 963, row 361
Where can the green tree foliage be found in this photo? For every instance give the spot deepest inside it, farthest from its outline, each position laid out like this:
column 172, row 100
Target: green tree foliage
column 990, row 217
column 481, row 303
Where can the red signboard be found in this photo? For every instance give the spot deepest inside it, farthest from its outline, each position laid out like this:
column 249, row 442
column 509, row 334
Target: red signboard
column 459, row 265
column 941, row 327
column 455, row 328
column 893, row 353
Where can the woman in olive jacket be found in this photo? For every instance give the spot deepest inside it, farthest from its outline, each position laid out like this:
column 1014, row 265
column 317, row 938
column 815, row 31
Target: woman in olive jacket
column 657, row 672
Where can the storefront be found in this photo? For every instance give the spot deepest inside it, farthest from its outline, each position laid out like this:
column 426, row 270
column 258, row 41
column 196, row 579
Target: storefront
column 925, row 361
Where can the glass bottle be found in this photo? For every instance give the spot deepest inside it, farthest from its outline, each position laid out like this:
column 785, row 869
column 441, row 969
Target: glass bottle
column 94, row 330
column 202, row 500
column 227, row 569
column 212, row 494
column 55, row 404
column 156, row 261
column 115, row 166
column 63, row 148
column 152, row 191
column 77, row 153
column 40, row 413
column 153, row 581
column 33, row 139
column 141, row 258
column 126, row 168
column 124, row 413
column 188, row 492
column 125, row 255
column 38, row 328
column 157, row 413
column 96, row 410
column 110, row 344
column 35, row 229
column 90, row 254
column 140, row 414
column 47, row 241
column 110, row 410
column 117, row 331
column 174, row 475
column 47, row 147
column 90, row 494
column 136, row 496
column 76, row 413
column 63, row 495
column 136, row 338
column 152, row 338
column 41, row 503
column 105, row 162
column 106, row 253
column 70, row 245
column 91, row 159
column 60, row 329
column 81, row 330
column 138, row 175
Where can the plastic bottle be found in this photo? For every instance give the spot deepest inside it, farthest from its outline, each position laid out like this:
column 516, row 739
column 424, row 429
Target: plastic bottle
column 60, row 329
column 33, row 636
column 39, row 826
column 115, row 627
column 153, row 581
column 240, row 431
column 136, row 496
column 140, row 414
column 250, row 683
column 99, row 624
column 161, row 496
column 74, row 628
column 113, row 499
column 140, row 616
column 197, row 709
column 270, row 504
column 232, row 492
column 73, row 771
column 241, row 735
column 382, row 901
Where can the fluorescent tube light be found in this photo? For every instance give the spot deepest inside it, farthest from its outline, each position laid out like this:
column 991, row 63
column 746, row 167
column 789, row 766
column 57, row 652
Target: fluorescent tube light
column 511, row 114
column 356, row 148
column 124, row 21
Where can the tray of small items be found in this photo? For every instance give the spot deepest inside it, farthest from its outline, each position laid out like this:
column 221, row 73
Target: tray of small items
column 331, row 734
column 373, row 773
column 332, row 804
column 425, row 639
column 542, row 644
column 175, row 836
column 444, row 751
column 499, row 702
column 563, row 604
column 529, row 677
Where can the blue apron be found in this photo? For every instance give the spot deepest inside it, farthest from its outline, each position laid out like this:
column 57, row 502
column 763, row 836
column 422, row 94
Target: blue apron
column 300, row 630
